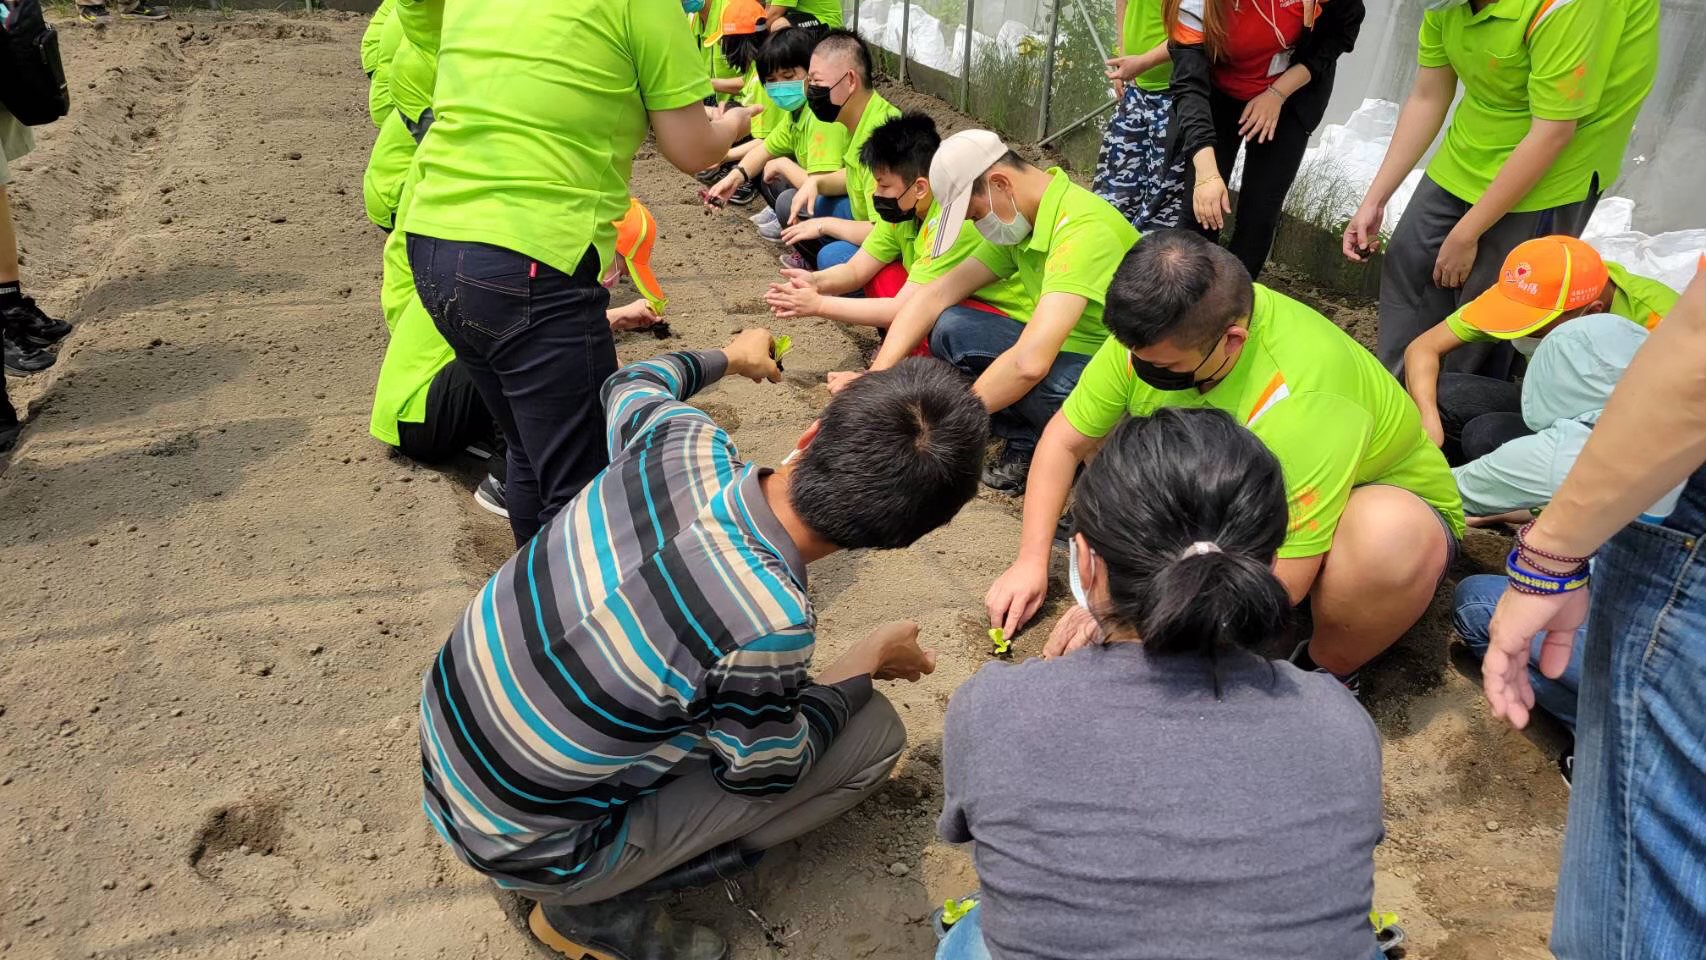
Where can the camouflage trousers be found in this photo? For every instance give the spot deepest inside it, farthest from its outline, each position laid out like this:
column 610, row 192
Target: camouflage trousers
column 1132, row 172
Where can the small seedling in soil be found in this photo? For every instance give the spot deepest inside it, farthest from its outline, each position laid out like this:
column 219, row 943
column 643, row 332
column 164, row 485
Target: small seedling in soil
column 998, row 637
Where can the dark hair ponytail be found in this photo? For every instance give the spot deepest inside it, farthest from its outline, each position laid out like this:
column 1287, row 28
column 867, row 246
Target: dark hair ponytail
column 1187, row 509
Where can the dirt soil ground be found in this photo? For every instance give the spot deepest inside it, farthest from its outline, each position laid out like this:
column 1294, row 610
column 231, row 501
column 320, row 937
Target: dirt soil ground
column 220, row 593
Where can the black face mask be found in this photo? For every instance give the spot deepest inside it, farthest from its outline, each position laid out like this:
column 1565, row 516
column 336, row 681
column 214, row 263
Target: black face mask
column 1162, row 378
column 817, row 98
column 890, row 210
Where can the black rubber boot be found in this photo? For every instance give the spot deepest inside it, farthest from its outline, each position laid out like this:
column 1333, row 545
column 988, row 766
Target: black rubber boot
column 628, row 927
column 722, row 863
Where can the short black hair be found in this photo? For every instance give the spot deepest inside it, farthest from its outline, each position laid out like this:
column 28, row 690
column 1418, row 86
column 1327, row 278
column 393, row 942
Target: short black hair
column 897, row 454
column 840, row 40
column 740, row 49
column 902, row 146
column 1176, row 285
column 789, row 49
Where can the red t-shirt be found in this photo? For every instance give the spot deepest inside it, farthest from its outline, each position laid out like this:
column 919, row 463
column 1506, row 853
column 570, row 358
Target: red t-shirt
column 1256, row 31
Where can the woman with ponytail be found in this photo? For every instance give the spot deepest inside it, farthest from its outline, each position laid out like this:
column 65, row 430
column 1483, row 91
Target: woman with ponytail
column 1156, row 787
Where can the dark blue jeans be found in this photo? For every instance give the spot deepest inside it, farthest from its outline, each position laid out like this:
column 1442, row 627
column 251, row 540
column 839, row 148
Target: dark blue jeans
column 971, row 340
column 536, row 343
column 1472, row 613
column 1633, row 880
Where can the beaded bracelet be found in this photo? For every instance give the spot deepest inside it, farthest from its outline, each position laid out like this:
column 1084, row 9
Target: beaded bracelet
column 1528, row 581
column 1523, row 545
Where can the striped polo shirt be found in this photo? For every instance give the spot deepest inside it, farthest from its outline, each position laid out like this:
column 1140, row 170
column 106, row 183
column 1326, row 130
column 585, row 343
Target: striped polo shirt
column 660, row 618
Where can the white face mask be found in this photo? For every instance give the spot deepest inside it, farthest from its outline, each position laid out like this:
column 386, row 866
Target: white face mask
column 1003, row 233
column 1072, row 578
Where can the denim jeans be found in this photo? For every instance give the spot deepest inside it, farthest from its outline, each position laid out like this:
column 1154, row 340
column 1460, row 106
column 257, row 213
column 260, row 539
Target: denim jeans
column 813, row 250
column 971, row 339
column 538, row 347
column 1472, row 611
column 1479, row 414
column 1633, row 880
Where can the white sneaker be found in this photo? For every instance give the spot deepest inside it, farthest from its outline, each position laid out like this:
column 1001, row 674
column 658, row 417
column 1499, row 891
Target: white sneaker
column 771, row 231
column 763, row 217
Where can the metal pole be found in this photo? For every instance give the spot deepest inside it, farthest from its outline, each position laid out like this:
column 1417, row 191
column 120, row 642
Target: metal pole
column 1048, row 68
column 905, row 35
column 1092, row 28
column 965, row 64
column 855, row 15
column 1063, row 131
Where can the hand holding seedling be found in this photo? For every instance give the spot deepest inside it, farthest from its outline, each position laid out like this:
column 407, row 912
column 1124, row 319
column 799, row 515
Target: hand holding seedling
column 749, row 356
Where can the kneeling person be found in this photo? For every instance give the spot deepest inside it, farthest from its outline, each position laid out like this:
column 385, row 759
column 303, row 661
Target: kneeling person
column 630, row 693
column 1375, row 514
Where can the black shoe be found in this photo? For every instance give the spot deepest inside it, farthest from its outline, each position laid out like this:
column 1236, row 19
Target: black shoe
column 1301, row 659
column 1063, row 528
column 23, row 360
column 1567, row 765
column 9, row 436
column 626, row 928
column 144, row 11
column 95, row 14
column 744, row 193
column 711, row 175
column 1007, row 474
column 490, row 496
column 25, row 322
column 718, row 863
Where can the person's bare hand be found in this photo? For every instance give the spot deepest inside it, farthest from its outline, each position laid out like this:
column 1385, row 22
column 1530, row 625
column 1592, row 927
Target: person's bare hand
column 791, row 274
column 804, row 230
column 1120, row 71
column 718, row 195
column 795, row 298
column 1015, row 596
column 1517, row 618
column 1211, row 203
column 749, row 356
column 1362, row 233
column 634, row 316
column 839, row 380
column 1456, row 259
column 898, row 655
column 1261, row 116
column 805, row 201
column 1075, row 628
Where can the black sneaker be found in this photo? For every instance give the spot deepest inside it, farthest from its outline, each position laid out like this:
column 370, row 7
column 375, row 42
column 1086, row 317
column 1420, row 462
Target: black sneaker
column 490, row 496
column 9, row 436
column 22, row 359
column 1567, row 765
column 26, row 323
column 1007, row 474
column 1301, row 660
column 744, row 193
column 145, row 11
column 624, row 928
column 94, row 14
column 711, row 175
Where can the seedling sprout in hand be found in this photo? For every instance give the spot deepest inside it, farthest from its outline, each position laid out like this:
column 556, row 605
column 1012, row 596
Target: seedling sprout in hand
column 779, row 347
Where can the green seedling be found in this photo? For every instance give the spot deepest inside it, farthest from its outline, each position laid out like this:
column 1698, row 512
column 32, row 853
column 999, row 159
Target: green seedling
column 998, row 637
column 779, row 347
column 953, row 911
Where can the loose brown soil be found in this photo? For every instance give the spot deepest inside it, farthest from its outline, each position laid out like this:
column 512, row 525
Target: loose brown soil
column 220, row 593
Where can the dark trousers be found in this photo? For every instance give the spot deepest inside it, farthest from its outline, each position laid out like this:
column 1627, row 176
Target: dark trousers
column 1269, row 169
column 1479, row 414
column 456, row 417
column 538, row 348
column 971, row 339
column 1410, row 302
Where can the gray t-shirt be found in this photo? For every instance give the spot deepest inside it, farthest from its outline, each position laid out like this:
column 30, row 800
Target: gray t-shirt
column 1119, row 811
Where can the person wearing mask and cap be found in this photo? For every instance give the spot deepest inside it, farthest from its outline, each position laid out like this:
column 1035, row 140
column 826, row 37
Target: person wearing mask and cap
column 898, row 258
column 839, row 90
column 538, row 112
column 1060, row 242
column 426, row 406
column 1544, row 283
column 1375, row 515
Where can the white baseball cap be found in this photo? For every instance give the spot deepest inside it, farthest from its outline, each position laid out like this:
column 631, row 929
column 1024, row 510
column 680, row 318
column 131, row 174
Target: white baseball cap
column 959, row 161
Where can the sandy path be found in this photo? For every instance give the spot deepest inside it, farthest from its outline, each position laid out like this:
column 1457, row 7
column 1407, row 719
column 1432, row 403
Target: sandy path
column 220, row 592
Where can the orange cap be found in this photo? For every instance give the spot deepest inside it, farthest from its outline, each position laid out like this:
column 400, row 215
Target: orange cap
column 635, row 234
column 1541, row 279
column 740, row 18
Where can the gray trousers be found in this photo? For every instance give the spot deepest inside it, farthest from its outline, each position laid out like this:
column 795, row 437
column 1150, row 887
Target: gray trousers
column 1410, row 303
column 692, row 814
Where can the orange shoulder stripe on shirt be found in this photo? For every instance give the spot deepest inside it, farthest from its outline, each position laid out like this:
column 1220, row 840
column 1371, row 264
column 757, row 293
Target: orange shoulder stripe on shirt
column 1268, row 392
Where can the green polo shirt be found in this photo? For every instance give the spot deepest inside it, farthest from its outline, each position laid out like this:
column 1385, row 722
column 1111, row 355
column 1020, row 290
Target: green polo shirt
column 1075, row 245
column 539, row 110
column 815, row 145
column 1639, row 299
column 860, row 183
column 423, row 21
column 413, row 71
column 379, row 88
column 1326, row 408
column 1145, row 26
column 416, row 351
column 370, row 37
column 753, row 94
column 1591, row 61
column 827, row 12
column 910, row 243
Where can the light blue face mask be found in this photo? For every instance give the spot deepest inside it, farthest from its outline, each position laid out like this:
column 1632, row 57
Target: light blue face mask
column 790, row 95
column 693, row 6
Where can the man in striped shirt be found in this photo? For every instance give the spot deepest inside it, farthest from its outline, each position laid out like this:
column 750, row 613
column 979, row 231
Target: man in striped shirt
column 630, row 691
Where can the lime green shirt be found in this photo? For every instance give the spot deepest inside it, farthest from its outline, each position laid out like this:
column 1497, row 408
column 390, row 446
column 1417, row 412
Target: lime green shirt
column 1077, row 241
column 910, row 242
column 413, row 71
column 379, row 88
column 704, row 24
column 827, row 12
column 416, row 350
column 1638, row 299
column 1326, row 408
column 1145, row 27
column 370, row 37
column 539, row 110
column 423, row 21
column 1591, row 61
column 753, row 93
column 860, row 183
column 815, row 145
